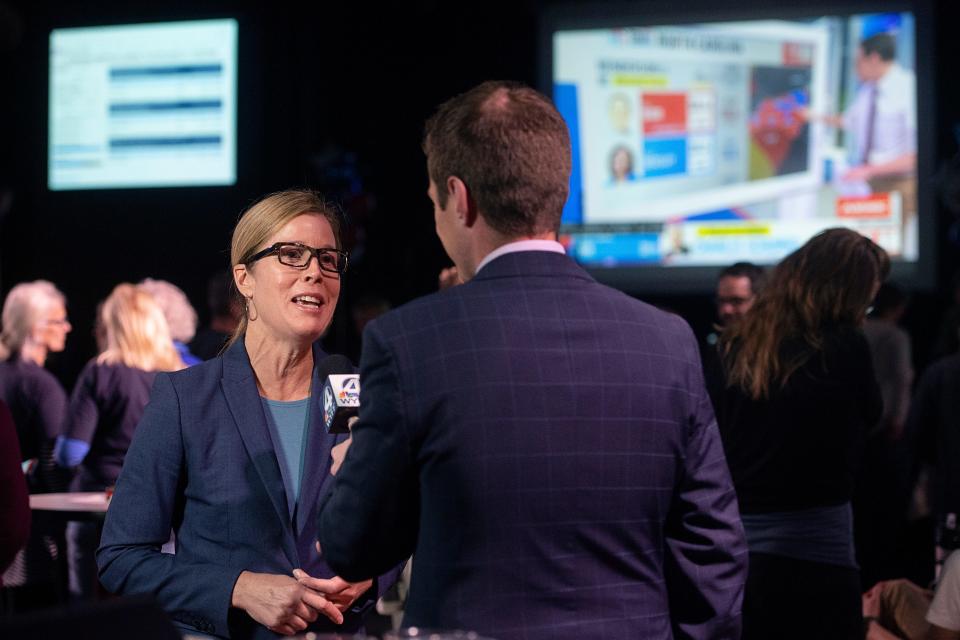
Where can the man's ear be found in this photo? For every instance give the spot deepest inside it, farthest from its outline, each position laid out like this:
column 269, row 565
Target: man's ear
column 466, row 206
column 243, row 279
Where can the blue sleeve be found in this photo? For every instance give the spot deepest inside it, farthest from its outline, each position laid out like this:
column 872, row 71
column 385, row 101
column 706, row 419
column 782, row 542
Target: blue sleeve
column 148, row 499
column 69, row 452
column 368, row 523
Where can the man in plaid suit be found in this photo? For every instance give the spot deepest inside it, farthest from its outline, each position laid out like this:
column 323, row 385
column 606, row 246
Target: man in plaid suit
column 542, row 444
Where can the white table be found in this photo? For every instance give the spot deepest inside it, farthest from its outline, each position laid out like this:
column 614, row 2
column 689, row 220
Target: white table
column 83, row 505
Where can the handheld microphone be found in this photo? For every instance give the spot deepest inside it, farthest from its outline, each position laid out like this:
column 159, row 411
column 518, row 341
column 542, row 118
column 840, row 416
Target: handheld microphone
column 340, row 397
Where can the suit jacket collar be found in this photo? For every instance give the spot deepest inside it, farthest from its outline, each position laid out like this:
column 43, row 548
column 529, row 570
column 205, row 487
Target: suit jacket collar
column 532, row 263
column 240, row 390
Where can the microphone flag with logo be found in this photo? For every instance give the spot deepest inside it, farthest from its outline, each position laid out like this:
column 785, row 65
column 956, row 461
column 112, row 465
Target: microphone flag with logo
column 340, row 397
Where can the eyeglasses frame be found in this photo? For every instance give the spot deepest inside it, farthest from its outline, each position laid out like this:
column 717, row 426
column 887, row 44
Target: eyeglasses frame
column 314, row 253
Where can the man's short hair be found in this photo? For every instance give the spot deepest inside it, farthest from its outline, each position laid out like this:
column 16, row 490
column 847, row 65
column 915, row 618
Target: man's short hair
column 510, row 147
column 755, row 273
column 882, row 44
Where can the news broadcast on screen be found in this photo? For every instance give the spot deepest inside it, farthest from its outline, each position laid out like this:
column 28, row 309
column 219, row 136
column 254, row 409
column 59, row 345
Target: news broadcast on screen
column 698, row 144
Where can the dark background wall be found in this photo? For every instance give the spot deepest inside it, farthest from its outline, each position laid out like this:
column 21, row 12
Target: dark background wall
column 318, row 84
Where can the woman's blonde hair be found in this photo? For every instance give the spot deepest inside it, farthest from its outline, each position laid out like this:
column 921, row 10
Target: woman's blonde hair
column 267, row 216
column 136, row 332
column 24, row 305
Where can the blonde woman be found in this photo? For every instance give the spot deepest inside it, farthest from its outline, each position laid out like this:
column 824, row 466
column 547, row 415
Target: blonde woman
column 106, row 406
column 233, row 456
column 34, row 325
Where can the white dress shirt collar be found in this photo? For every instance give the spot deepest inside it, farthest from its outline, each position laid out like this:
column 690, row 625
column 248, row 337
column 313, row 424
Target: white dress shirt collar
column 521, row 245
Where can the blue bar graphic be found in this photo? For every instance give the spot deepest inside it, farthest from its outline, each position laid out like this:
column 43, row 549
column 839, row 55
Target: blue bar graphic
column 175, row 70
column 186, row 141
column 183, row 105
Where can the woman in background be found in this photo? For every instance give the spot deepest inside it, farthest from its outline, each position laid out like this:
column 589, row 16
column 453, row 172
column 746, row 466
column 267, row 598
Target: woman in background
column 800, row 397
column 180, row 314
column 106, row 406
column 34, row 324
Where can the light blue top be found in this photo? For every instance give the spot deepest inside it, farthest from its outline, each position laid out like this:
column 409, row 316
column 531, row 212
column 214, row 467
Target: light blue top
column 288, row 430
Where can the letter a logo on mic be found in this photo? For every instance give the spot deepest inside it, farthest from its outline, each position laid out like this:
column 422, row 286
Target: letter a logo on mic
column 341, row 400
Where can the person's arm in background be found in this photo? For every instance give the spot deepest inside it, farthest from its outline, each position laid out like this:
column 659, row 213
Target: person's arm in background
column 922, row 422
column 904, row 369
column 368, row 524
column 944, row 612
column 706, row 549
column 50, row 415
column 901, row 165
column 81, row 423
column 14, row 499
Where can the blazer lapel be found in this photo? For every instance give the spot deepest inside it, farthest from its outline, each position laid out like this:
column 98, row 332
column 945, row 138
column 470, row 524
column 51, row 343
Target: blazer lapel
column 316, row 462
column 243, row 398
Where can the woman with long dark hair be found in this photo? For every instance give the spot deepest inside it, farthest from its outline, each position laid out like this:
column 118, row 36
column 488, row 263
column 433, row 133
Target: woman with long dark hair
column 800, row 397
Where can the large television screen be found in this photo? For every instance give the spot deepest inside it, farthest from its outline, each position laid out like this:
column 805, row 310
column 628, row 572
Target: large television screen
column 145, row 105
column 703, row 144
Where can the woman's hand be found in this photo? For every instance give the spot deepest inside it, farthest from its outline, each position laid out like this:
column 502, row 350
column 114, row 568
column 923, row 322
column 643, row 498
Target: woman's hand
column 280, row 603
column 337, row 590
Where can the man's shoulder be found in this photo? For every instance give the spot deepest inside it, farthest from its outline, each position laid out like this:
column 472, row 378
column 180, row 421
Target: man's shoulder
column 461, row 302
column 899, row 85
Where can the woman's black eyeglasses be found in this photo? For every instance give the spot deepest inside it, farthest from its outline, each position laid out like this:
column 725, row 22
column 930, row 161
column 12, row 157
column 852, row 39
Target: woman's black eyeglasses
column 297, row 255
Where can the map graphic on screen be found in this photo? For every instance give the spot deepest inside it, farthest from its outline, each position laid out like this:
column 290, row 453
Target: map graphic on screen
column 148, row 105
